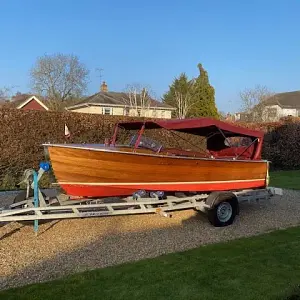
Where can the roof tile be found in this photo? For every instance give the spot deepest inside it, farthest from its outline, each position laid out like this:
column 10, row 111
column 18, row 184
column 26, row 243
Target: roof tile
column 116, row 98
column 288, row 99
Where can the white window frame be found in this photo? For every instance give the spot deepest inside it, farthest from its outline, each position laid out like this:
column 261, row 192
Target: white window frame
column 107, row 108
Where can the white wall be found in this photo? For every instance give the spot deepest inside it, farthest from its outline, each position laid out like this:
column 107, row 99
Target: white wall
column 280, row 112
column 119, row 111
column 88, row 110
column 153, row 113
column 289, row 111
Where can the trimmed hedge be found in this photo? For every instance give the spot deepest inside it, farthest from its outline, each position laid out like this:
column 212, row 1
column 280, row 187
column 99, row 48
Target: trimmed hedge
column 281, row 142
column 23, row 132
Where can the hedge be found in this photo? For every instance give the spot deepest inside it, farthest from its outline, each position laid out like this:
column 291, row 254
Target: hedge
column 281, row 142
column 23, row 132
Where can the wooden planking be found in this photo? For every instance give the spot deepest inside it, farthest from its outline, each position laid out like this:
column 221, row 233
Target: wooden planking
column 81, row 165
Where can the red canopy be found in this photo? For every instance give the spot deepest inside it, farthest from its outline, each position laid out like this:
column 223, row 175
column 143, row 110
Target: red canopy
column 198, row 126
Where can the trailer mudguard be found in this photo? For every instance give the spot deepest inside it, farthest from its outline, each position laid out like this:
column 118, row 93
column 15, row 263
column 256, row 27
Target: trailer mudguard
column 215, row 198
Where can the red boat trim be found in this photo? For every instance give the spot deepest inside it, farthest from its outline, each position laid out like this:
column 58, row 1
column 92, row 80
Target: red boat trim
column 125, row 189
column 156, row 183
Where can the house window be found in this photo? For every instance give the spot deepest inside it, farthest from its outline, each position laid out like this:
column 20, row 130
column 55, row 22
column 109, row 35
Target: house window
column 106, row 110
column 139, row 112
column 154, row 113
column 162, row 113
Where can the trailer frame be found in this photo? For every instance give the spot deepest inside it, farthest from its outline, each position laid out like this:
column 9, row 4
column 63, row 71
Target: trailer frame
column 221, row 207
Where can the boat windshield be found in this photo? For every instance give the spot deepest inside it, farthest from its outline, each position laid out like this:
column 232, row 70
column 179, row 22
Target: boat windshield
column 146, row 142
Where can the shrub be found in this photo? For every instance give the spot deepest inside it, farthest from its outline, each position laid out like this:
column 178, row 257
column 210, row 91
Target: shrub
column 8, row 182
column 292, row 294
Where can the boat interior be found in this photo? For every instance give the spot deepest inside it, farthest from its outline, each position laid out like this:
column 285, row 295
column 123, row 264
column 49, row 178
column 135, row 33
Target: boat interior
column 210, row 139
column 237, row 150
column 218, row 145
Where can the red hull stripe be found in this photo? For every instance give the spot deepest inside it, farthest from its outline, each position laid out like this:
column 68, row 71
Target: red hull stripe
column 99, row 190
column 180, row 183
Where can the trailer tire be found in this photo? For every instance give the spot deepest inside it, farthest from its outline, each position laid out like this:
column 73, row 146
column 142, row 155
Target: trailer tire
column 224, row 208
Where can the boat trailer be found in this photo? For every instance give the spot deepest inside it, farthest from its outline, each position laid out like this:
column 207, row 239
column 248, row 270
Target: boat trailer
column 221, row 207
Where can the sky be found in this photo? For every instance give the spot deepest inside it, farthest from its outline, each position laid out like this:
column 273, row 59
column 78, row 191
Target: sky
column 240, row 43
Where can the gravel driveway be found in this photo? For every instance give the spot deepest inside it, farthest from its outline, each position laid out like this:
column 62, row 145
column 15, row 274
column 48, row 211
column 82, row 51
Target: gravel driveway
column 70, row 246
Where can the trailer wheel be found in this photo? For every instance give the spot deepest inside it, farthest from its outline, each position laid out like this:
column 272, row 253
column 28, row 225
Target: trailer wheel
column 223, row 214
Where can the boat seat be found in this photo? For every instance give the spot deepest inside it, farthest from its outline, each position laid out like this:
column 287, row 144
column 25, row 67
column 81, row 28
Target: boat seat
column 232, row 152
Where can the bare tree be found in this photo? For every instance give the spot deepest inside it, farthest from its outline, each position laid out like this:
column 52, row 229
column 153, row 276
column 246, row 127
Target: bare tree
column 253, row 102
column 5, row 94
column 138, row 99
column 58, row 105
column 183, row 104
column 184, row 99
column 223, row 115
column 181, row 95
column 59, row 77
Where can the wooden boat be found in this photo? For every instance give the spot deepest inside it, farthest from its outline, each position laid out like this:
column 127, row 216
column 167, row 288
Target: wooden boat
column 111, row 169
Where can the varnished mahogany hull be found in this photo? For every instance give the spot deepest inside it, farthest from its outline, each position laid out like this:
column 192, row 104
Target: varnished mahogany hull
column 108, row 172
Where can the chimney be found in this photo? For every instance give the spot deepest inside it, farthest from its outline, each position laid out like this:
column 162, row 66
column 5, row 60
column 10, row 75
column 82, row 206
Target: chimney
column 104, row 87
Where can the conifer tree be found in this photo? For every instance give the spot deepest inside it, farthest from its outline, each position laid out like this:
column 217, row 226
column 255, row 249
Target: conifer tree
column 180, row 96
column 204, row 96
column 192, row 98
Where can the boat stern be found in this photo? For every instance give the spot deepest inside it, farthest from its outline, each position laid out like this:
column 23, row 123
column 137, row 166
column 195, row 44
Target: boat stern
column 268, row 174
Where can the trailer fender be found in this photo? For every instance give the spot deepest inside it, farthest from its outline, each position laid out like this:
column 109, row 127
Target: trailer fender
column 215, row 198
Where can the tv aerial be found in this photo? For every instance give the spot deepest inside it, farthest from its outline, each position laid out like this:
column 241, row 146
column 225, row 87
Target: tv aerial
column 100, row 70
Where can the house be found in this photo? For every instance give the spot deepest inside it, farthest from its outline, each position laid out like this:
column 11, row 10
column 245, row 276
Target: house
column 240, row 116
column 273, row 108
column 26, row 102
column 281, row 105
column 229, row 117
column 119, row 104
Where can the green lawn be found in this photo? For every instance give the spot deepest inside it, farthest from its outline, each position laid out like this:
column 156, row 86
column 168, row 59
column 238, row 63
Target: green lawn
column 263, row 267
column 285, row 179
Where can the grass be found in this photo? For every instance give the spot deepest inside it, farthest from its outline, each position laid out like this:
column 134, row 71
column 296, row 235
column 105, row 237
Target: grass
column 285, row 179
column 262, row 267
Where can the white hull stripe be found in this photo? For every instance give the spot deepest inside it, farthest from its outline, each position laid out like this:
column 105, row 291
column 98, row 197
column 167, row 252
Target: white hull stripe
column 155, row 183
